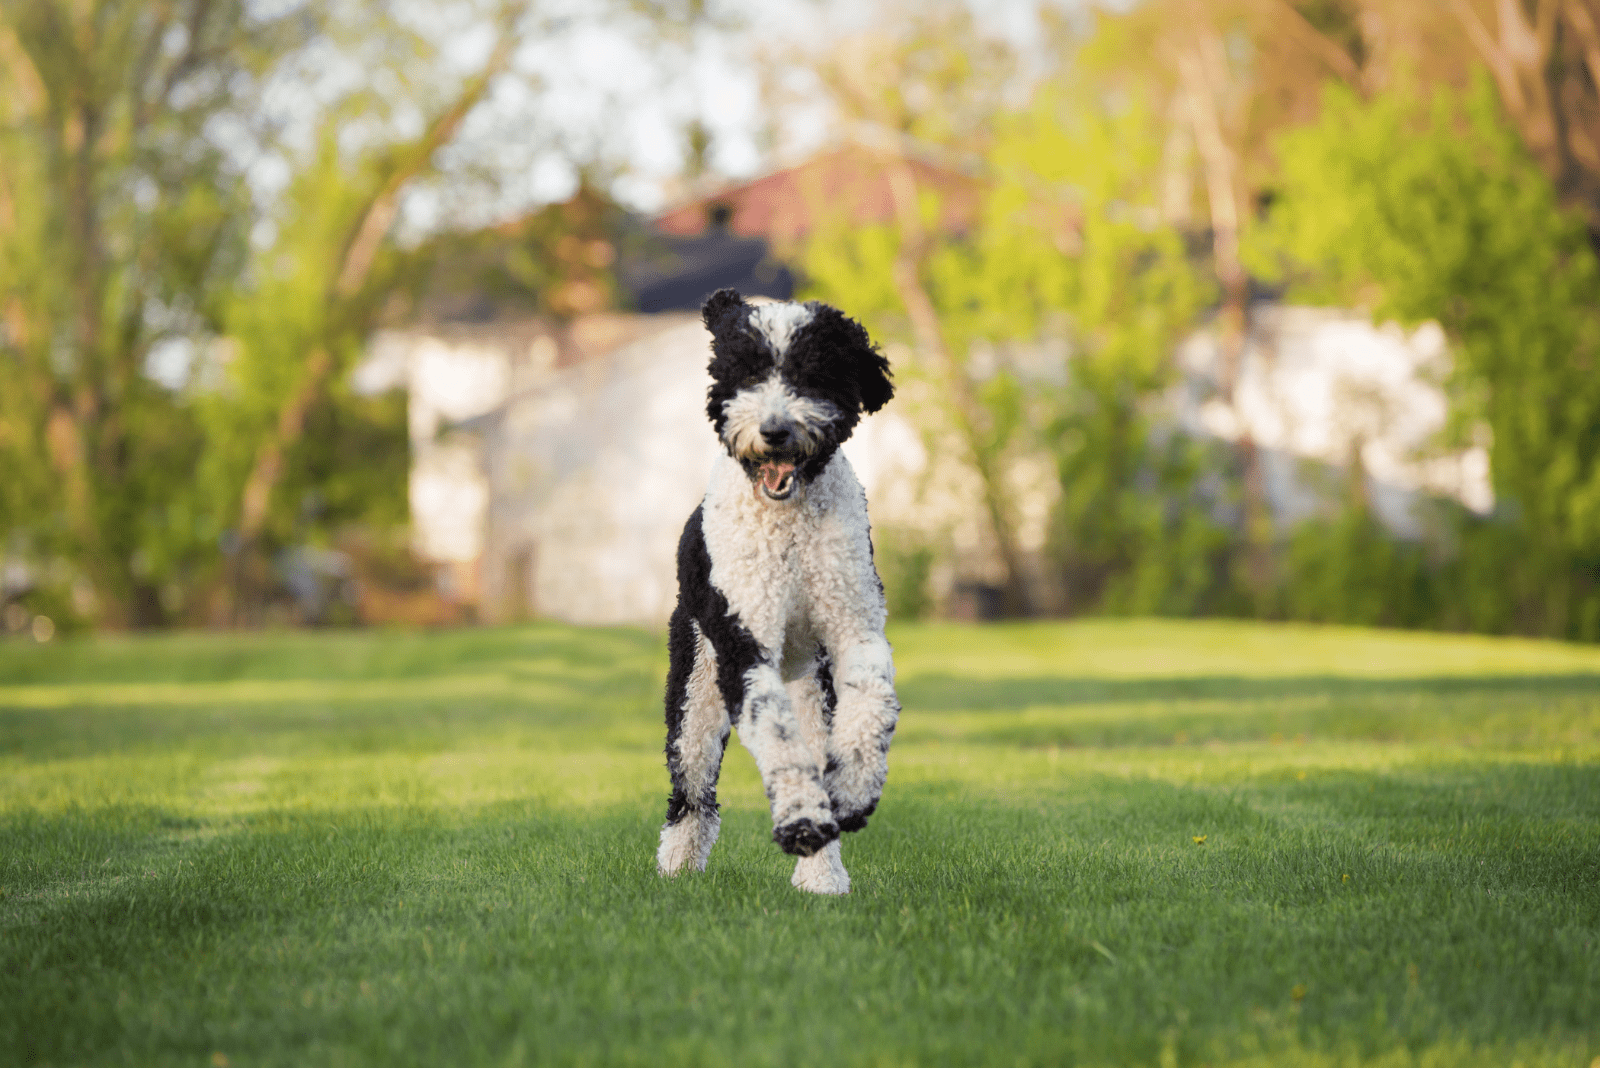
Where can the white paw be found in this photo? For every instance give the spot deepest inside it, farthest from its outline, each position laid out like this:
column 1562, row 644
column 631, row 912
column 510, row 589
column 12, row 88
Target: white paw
column 687, row 843
column 822, row 872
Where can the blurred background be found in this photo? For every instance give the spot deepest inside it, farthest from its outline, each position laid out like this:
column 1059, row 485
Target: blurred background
column 327, row 312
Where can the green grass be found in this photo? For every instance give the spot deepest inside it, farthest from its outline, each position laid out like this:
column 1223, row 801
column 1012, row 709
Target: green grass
column 396, row 848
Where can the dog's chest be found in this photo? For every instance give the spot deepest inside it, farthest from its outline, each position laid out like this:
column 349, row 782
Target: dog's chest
column 764, row 563
column 795, row 574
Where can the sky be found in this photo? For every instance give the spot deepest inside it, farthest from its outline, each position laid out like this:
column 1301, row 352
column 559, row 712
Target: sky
column 601, row 95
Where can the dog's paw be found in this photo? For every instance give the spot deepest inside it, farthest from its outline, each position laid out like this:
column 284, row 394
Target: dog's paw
column 822, row 872
column 804, row 837
column 686, row 845
column 854, row 786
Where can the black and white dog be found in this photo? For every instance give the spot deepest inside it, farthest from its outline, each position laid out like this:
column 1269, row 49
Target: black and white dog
column 779, row 624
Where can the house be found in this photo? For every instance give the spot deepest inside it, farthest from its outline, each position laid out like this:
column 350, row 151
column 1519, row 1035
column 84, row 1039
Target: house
column 557, row 448
column 846, row 184
column 554, row 459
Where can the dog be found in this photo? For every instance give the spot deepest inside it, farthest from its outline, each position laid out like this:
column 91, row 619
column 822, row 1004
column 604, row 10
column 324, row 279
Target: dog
column 779, row 626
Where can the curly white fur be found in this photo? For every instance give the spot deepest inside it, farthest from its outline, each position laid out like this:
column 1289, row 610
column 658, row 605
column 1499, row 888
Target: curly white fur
column 751, row 408
column 688, row 843
column 797, row 573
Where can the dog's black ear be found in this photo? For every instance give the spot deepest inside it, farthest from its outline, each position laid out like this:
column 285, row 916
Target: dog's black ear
column 719, row 304
column 868, row 366
column 872, row 374
column 736, row 351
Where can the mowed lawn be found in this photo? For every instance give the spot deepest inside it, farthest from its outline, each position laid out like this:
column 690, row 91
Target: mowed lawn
column 1107, row 843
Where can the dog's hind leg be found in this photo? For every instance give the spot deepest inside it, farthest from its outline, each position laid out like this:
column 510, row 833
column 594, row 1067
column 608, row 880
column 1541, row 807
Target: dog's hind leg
column 697, row 735
column 812, row 698
column 864, row 719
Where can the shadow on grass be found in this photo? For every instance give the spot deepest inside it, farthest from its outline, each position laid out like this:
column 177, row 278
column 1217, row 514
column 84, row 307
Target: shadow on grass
column 332, row 721
column 1074, row 712
column 1086, row 925
column 1512, row 707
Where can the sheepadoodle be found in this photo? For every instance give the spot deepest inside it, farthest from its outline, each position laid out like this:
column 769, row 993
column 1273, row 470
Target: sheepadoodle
column 779, row 624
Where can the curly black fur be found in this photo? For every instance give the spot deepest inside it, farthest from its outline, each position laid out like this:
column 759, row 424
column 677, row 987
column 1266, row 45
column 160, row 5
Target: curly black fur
column 737, row 651
column 740, row 355
column 802, row 838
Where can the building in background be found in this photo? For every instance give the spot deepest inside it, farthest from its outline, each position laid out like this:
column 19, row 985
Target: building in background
column 558, row 444
column 556, row 452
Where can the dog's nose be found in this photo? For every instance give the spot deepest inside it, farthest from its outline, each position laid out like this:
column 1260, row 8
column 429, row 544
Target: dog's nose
column 776, row 433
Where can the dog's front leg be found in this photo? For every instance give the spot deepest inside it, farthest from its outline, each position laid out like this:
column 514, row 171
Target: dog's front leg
column 823, row 872
column 697, row 734
column 802, row 821
column 863, row 724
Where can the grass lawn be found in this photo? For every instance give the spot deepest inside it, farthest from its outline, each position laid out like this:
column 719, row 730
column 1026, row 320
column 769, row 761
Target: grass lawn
column 1104, row 843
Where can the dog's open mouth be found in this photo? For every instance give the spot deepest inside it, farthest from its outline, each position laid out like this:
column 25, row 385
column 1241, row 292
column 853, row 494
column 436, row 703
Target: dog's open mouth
column 777, row 479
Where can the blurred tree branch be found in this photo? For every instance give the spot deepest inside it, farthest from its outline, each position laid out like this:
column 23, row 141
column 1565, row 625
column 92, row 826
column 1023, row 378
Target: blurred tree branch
column 374, row 213
column 931, row 90
column 118, row 208
column 1210, row 91
column 1538, row 62
column 1287, row 17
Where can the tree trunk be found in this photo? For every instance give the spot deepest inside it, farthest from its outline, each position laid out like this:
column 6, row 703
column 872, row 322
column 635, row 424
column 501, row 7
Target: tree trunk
column 1202, row 68
column 1519, row 60
column 81, row 440
column 355, row 266
column 965, row 406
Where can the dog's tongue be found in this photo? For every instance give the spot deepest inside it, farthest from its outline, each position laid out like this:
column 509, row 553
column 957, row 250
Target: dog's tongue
column 773, row 474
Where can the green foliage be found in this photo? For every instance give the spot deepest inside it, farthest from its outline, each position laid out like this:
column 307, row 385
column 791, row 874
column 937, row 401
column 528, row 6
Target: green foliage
column 1069, row 242
column 1415, row 209
column 283, row 315
column 1434, row 210
column 905, row 561
column 1348, row 569
column 857, row 260
column 119, row 224
column 123, row 232
column 1072, row 240
column 53, row 600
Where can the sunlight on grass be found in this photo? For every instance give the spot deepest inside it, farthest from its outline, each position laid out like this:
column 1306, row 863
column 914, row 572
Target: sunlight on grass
column 1102, row 843
column 1145, row 649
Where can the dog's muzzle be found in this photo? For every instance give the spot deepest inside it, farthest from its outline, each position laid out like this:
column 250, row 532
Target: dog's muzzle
column 774, row 467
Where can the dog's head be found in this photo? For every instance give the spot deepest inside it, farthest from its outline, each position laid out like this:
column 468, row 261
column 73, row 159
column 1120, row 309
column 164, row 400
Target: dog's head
column 789, row 383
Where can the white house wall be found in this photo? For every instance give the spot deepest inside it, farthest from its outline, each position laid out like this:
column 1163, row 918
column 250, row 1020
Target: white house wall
column 1317, row 384
column 566, row 490
column 595, row 473
column 447, row 379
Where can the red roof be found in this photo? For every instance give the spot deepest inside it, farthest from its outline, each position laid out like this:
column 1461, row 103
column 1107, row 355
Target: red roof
column 786, row 205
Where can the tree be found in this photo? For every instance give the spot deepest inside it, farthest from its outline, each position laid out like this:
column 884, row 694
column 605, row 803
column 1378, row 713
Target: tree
column 928, row 91
column 1226, row 76
column 119, row 227
column 1424, row 209
column 1546, row 66
column 311, row 299
column 1073, row 242
column 128, row 234
column 1069, row 244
